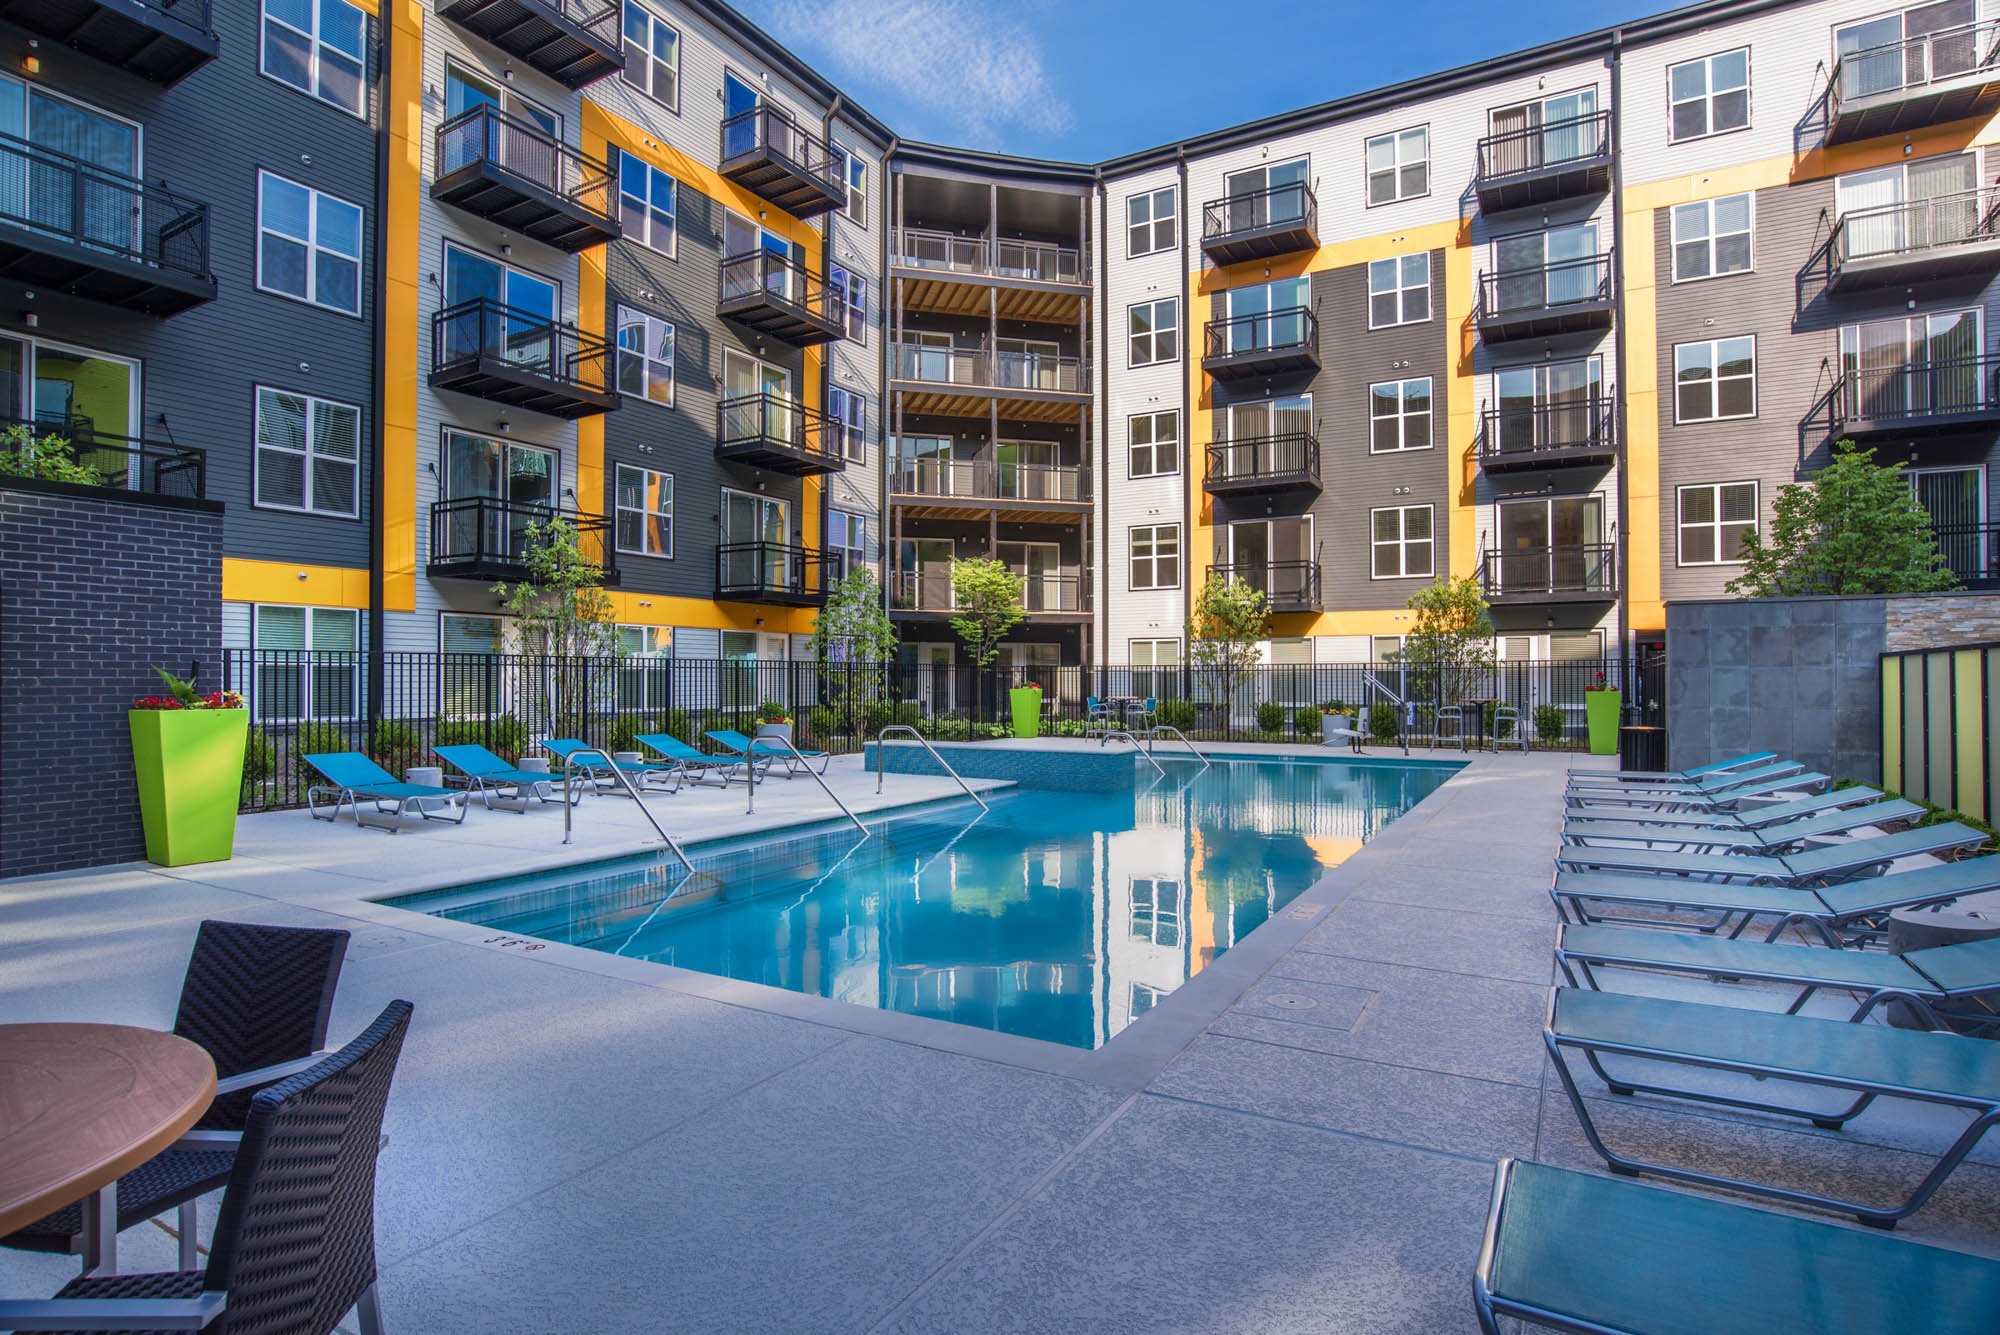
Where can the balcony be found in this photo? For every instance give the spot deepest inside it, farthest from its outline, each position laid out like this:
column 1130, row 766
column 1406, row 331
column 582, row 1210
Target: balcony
column 514, row 173
column 987, row 257
column 776, row 573
column 1909, row 401
column 1925, row 240
column 1579, row 433
column 1263, row 465
column 778, row 296
column 1566, row 159
column 163, row 41
column 71, row 227
column 1567, row 297
column 1016, row 492
column 486, row 538
column 121, row 463
column 1582, row 572
column 767, row 431
column 574, row 42
column 1256, row 225
column 768, row 153
column 1064, row 591
column 521, row 359
column 1972, row 551
column 1907, row 85
column 1289, row 586
column 1268, row 343
column 960, row 382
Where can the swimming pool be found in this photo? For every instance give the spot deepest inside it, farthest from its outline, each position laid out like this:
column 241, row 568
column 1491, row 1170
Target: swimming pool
column 1057, row 915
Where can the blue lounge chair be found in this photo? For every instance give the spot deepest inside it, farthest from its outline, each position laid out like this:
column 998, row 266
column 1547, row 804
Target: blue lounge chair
column 1647, row 802
column 1748, row 760
column 1559, row 1252
column 597, row 765
column 1742, row 818
column 1654, row 792
column 695, row 765
column 796, row 760
column 1790, row 836
column 352, row 778
column 491, row 777
column 1828, row 862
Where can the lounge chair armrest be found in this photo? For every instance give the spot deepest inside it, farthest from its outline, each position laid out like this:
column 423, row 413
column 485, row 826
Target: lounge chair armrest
column 267, row 1075
column 208, row 1140
column 113, row 1313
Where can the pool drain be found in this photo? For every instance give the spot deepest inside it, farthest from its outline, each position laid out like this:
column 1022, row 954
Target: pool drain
column 1291, row 1001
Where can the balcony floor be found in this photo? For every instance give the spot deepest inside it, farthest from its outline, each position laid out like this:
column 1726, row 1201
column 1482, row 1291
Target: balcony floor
column 134, row 37
column 783, row 320
column 1931, row 265
column 780, row 457
column 1580, row 317
column 1545, row 185
column 488, row 190
column 1260, row 243
column 1262, row 362
column 1900, row 110
column 795, row 189
column 1527, row 461
column 542, row 35
column 40, row 259
column 498, row 380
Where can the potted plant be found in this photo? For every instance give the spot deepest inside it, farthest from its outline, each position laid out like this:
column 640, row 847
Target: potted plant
column 187, row 754
column 774, row 720
column 1026, row 702
column 1332, row 715
column 1601, row 704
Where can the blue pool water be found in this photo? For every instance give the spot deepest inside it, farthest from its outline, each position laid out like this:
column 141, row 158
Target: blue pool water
column 1059, row 916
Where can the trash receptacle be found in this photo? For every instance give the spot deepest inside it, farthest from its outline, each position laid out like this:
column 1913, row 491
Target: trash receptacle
column 1642, row 748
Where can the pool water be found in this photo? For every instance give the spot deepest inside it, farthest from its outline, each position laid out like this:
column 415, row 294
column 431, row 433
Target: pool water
column 1058, row 916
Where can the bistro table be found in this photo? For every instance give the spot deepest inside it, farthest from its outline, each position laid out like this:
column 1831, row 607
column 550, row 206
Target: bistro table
column 1478, row 708
column 83, row 1104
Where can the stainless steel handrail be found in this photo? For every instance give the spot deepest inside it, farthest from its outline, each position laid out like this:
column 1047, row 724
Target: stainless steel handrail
column 569, row 803
column 1159, row 728
column 881, row 761
column 750, row 771
column 1110, row 736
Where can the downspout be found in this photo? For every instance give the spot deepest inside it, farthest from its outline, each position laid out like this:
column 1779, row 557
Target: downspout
column 379, row 373
column 1624, row 558
column 882, row 377
column 1101, row 503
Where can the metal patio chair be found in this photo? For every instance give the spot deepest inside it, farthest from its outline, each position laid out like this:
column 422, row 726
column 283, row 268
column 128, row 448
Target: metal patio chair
column 1516, row 735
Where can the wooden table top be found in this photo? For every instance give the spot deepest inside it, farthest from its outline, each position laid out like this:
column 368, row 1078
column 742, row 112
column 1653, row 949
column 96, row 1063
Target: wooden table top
column 82, row 1104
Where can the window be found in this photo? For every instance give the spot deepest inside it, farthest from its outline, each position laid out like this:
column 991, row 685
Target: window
column 644, row 506
column 305, row 663
column 645, row 679
column 1710, row 95
column 1157, row 910
column 856, row 208
column 308, row 454
column 1149, row 222
column 1399, row 290
column 1711, row 237
column 646, row 641
column 1154, row 442
column 1155, row 653
column 847, row 540
column 1713, row 520
column 1715, row 380
column 1156, row 557
column 1155, row 331
column 652, row 55
column 850, row 294
column 1908, row 206
column 1402, row 542
column 850, row 410
column 646, row 203
column 1399, row 166
column 1400, row 413
column 318, row 47
column 645, row 356
column 1155, row 665
column 308, row 245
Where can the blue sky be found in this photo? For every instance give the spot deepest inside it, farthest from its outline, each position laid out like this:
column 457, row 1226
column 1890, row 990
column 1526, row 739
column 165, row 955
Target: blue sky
column 1089, row 79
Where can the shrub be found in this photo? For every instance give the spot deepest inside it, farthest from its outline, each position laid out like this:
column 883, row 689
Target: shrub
column 1382, row 721
column 1499, row 727
column 1270, row 716
column 260, row 756
column 1305, row 722
column 679, row 725
column 390, row 734
column 1549, row 724
column 625, row 730
column 1179, row 714
column 315, row 739
column 909, row 712
column 506, row 736
column 771, row 711
column 822, row 722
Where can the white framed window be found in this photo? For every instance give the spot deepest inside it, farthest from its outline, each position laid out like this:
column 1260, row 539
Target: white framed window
column 1155, row 332
column 645, row 356
column 1716, row 379
column 1159, row 908
column 308, row 454
column 1156, row 556
column 308, row 245
column 1153, row 653
column 1711, row 237
column 1150, row 222
column 850, row 409
column 855, row 210
column 850, row 292
column 643, row 511
column 1399, row 290
column 1401, row 538
column 652, row 55
column 847, row 540
column 306, row 664
column 1399, row 165
column 1709, row 96
column 1153, row 442
column 644, row 676
column 1713, row 518
column 1400, row 415
column 646, row 198
column 646, row 641
column 319, row 47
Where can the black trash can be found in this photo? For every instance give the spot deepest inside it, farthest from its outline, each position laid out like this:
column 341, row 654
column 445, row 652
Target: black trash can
column 1642, row 748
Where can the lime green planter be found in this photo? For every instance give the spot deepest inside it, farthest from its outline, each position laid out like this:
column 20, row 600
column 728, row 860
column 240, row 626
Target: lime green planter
column 189, row 764
column 1027, row 703
column 1601, row 709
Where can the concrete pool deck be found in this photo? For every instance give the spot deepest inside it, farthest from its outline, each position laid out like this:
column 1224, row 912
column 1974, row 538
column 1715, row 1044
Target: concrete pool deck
column 1303, row 1142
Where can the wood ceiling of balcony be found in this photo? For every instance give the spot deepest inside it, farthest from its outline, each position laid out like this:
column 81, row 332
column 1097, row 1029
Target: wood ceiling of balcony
column 935, row 296
column 975, row 405
column 1006, row 511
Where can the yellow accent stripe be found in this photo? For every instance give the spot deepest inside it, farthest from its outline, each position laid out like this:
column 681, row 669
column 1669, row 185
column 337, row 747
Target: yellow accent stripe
column 604, row 130
column 654, row 609
column 1892, row 724
column 402, row 104
column 1968, row 710
column 1462, row 424
column 296, row 585
column 1640, row 516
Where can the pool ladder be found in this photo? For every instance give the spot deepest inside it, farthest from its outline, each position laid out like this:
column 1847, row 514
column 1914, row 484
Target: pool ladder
column 882, row 760
column 1137, row 749
column 570, row 767
column 750, row 775
column 1159, row 728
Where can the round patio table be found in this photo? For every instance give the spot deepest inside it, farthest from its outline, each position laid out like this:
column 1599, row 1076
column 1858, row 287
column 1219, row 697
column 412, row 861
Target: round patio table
column 83, row 1104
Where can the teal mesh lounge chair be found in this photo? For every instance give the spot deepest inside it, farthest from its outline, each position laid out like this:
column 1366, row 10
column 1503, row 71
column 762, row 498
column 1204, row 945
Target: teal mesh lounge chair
column 1742, row 815
column 1644, row 804
column 1710, row 786
column 694, row 764
column 1559, row 1254
column 597, row 765
column 1828, row 862
column 796, row 760
column 352, row 778
column 1751, row 759
column 491, row 777
column 1786, row 837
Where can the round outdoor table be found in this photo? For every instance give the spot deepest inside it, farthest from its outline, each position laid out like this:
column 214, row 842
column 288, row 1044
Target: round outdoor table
column 83, row 1104
column 1479, row 720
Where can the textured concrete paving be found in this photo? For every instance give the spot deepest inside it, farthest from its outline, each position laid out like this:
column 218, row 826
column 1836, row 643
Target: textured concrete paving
column 1303, row 1142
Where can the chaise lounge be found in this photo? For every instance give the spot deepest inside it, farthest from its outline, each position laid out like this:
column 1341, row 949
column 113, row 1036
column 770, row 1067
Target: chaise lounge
column 352, row 778
column 1829, row 862
column 1786, row 837
column 796, row 761
column 490, row 776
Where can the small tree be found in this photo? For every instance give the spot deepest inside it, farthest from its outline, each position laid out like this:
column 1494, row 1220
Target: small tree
column 989, row 598
column 854, row 630
column 24, row 453
column 560, row 611
column 1449, row 648
column 1855, row 527
column 1230, row 618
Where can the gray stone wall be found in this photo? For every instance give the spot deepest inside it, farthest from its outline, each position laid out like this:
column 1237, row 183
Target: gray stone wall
column 95, row 588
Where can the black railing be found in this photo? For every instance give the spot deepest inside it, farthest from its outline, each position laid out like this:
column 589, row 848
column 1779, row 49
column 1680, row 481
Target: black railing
column 120, row 463
column 485, row 329
column 526, row 150
column 1520, row 431
column 771, row 420
column 781, row 280
column 1290, row 457
column 773, row 130
column 1537, row 148
column 1580, row 569
column 999, row 257
column 1275, row 206
column 1914, row 63
column 1904, row 395
column 1972, row 551
column 989, row 479
column 1290, row 329
column 1033, row 372
column 1545, row 287
column 487, row 537
column 1289, row 586
column 761, row 571
column 71, row 200
column 1065, row 589
column 1917, row 228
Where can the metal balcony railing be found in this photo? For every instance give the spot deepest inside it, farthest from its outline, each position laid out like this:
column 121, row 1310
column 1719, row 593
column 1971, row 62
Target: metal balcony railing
column 1033, row 261
column 1294, row 328
column 1583, row 570
column 1064, row 590
column 486, row 134
column 488, row 537
column 1918, row 228
column 484, row 334
column 772, row 572
column 1560, row 143
column 989, row 480
column 766, row 424
column 978, row 368
column 121, row 463
column 764, row 280
column 1288, row 459
column 1545, row 287
column 767, row 149
column 1884, row 397
column 1971, row 550
column 163, row 41
column 1289, row 586
column 68, row 199
column 1278, row 206
column 1541, row 431
column 1914, row 63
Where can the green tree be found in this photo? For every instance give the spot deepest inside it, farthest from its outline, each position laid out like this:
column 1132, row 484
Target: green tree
column 562, row 613
column 1449, row 648
column 1854, row 527
column 854, row 632
column 23, row 453
column 989, row 598
column 1230, row 619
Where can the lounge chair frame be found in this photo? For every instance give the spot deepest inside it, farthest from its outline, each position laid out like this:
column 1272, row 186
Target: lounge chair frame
column 393, row 799
column 491, row 786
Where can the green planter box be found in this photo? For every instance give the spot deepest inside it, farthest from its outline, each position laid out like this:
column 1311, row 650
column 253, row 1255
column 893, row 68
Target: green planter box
column 1601, row 709
column 1027, row 703
column 189, row 764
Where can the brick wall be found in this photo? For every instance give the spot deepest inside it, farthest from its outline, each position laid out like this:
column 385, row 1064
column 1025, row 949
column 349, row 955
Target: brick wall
column 94, row 590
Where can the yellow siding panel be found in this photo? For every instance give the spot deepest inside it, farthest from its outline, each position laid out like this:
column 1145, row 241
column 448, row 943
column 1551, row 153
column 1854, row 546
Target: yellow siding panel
column 1969, row 710
column 294, row 585
column 1892, row 724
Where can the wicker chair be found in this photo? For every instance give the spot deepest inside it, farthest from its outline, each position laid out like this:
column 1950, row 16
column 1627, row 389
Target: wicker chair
column 257, row 999
column 294, row 1247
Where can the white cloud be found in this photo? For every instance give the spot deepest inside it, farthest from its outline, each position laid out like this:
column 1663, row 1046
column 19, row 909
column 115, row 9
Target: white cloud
column 962, row 61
